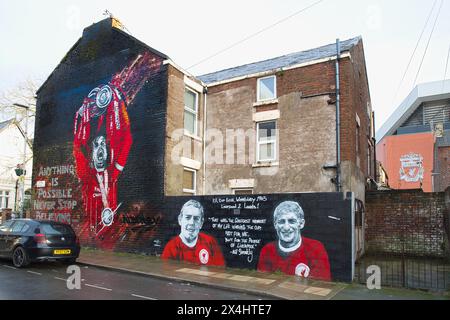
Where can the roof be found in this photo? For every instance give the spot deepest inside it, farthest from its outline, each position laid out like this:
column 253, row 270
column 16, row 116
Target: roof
column 101, row 26
column 425, row 92
column 5, row 124
column 279, row 62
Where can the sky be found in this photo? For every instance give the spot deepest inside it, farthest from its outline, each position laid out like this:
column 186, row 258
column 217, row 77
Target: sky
column 37, row 34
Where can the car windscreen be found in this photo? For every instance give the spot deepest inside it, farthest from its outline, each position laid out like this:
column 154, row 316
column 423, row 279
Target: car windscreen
column 56, row 229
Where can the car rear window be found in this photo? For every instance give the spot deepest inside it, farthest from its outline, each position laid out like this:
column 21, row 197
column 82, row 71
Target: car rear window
column 25, row 228
column 20, row 227
column 55, row 229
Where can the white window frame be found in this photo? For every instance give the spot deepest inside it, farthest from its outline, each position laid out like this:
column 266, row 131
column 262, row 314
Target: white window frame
column 242, row 189
column 258, row 89
column 195, row 113
column 258, row 143
column 193, row 191
column 3, row 197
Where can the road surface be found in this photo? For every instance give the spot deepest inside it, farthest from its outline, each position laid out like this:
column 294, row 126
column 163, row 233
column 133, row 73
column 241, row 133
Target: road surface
column 47, row 280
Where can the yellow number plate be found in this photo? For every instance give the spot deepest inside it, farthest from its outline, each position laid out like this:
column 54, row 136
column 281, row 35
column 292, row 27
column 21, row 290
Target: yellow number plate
column 67, row 251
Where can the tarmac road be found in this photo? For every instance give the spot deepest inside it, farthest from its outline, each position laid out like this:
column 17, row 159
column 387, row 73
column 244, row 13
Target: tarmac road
column 47, row 281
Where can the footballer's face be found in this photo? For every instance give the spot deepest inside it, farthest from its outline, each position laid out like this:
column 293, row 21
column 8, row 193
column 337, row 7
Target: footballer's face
column 191, row 221
column 99, row 153
column 288, row 226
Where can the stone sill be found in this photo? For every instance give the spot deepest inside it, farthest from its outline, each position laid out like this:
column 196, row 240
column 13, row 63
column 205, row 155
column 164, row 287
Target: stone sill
column 265, row 164
column 265, row 103
column 189, row 191
column 187, row 134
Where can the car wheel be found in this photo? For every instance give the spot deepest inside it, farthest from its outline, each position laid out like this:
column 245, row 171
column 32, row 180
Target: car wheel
column 20, row 257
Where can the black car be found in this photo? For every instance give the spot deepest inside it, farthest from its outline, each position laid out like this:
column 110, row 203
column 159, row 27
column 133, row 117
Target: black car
column 27, row 240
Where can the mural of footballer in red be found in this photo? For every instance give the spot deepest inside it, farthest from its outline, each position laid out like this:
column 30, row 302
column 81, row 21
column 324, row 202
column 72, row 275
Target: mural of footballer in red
column 293, row 254
column 102, row 142
column 191, row 245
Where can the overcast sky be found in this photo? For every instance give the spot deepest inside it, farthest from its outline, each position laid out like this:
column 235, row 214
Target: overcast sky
column 36, row 35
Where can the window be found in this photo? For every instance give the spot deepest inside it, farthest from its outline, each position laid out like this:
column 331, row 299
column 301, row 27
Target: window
column 17, row 228
column 189, row 181
column 267, row 88
column 267, row 139
column 242, row 191
column 4, row 199
column 56, row 229
column 6, row 226
column 25, row 228
column 190, row 111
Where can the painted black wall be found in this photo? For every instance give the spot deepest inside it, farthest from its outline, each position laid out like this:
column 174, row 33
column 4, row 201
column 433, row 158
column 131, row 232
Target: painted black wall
column 328, row 219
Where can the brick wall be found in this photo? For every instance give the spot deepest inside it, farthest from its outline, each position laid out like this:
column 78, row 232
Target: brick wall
column 306, row 139
column 412, row 222
column 354, row 101
column 444, row 168
column 307, row 127
column 178, row 144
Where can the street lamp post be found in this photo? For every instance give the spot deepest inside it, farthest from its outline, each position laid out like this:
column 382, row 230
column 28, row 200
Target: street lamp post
column 24, row 156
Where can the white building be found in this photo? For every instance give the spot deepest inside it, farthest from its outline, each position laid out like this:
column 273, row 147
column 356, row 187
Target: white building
column 11, row 154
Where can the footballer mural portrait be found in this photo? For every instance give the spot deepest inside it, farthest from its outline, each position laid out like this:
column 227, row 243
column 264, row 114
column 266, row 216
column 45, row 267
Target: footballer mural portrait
column 293, row 253
column 191, row 245
column 101, row 145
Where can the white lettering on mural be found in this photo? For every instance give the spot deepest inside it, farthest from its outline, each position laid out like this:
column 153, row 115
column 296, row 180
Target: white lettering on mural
column 242, row 235
column 54, row 193
column 56, row 170
column 61, row 217
column 53, row 201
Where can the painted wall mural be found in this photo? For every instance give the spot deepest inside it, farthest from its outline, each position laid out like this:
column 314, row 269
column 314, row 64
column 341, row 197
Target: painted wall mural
column 408, row 160
column 307, row 235
column 102, row 142
column 411, row 167
column 99, row 147
column 290, row 253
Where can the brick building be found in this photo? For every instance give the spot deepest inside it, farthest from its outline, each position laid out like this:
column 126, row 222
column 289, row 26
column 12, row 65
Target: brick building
column 124, row 136
column 295, row 96
column 414, row 143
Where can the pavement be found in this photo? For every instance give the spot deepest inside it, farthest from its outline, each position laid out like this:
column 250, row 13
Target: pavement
column 272, row 285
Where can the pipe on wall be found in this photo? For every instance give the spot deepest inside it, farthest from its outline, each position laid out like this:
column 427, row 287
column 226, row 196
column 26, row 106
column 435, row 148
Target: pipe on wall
column 338, row 120
column 375, row 175
column 205, row 93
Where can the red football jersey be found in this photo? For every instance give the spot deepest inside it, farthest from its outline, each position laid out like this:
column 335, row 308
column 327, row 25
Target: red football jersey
column 311, row 253
column 206, row 251
column 119, row 139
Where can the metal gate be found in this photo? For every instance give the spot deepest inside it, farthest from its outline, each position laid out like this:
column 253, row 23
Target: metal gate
column 406, row 272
